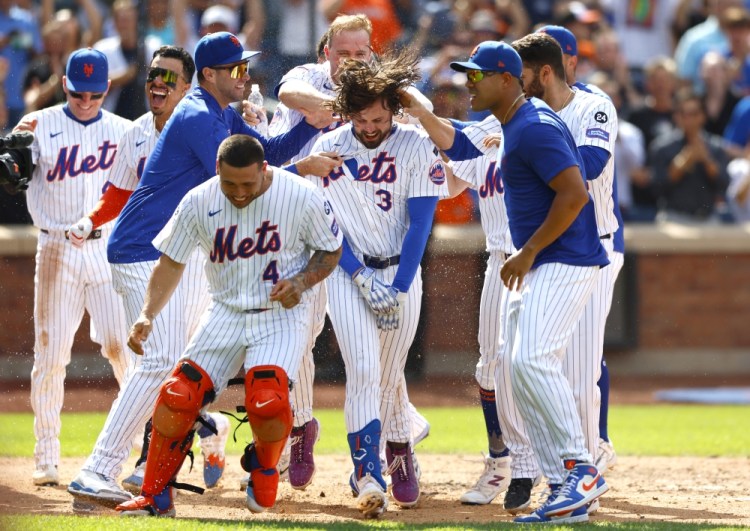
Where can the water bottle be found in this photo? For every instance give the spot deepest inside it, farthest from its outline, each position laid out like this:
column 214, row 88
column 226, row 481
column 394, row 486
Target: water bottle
column 256, row 98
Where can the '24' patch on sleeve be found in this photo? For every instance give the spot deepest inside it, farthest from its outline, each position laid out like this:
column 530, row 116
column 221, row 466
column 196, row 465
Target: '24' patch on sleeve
column 596, row 132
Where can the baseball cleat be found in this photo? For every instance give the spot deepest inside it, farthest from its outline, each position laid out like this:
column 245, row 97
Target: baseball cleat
column 160, row 505
column 494, row 480
column 518, row 496
column 583, row 485
column 372, row 500
column 98, row 488
column 606, row 457
column 46, row 476
column 212, row 448
column 301, row 462
column 593, row 507
column 264, row 482
column 134, row 481
column 404, row 480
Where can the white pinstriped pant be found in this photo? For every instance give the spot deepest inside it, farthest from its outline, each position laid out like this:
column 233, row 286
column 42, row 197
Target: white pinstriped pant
column 541, row 319
column 166, row 343
column 374, row 359
column 490, row 327
column 302, row 394
column 69, row 280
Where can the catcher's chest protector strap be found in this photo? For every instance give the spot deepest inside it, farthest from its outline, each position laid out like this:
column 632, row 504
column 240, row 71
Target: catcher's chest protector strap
column 268, row 411
column 188, row 390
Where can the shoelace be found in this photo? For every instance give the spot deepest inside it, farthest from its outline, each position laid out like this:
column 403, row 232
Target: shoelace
column 298, row 447
column 567, row 485
column 398, row 465
column 489, row 466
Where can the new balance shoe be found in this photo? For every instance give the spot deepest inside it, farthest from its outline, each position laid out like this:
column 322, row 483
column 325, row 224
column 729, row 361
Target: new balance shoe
column 46, row 476
column 134, row 481
column 583, row 485
column 494, row 480
column 372, row 500
column 160, row 505
column 518, row 496
column 606, row 457
column 404, row 481
column 212, row 447
column 301, row 462
column 98, row 488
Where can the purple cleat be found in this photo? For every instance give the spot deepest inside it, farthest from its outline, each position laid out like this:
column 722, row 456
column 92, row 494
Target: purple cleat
column 404, row 481
column 301, row 462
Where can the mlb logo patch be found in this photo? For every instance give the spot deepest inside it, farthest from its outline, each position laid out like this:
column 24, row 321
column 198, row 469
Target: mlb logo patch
column 595, row 132
column 335, row 228
column 437, row 173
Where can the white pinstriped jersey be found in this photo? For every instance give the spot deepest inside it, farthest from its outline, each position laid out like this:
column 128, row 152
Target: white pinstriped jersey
column 284, row 118
column 251, row 248
column 136, row 145
column 592, row 120
column 483, row 175
column 370, row 190
column 73, row 163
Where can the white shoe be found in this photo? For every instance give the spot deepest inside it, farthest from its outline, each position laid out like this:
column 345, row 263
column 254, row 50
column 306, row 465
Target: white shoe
column 494, row 480
column 98, row 488
column 283, row 465
column 593, row 507
column 372, row 500
column 46, row 475
column 134, row 481
column 245, row 481
column 212, row 449
column 606, row 457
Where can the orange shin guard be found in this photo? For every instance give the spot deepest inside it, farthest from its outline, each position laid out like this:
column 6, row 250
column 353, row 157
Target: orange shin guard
column 268, row 411
column 188, row 390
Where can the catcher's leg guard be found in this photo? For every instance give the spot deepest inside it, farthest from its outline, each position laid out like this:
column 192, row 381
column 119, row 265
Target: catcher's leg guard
column 178, row 406
column 268, row 411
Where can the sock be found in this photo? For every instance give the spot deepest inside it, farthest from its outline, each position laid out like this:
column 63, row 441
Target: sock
column 603, row 384
column 491, row 422
column 204, row 431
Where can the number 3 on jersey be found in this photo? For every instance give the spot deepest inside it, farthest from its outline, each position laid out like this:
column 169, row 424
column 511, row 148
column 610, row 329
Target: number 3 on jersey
column 386, row 202
column 271, row 273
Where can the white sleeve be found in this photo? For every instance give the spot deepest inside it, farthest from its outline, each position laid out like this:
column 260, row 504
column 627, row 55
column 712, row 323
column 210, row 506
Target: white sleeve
column 321, row 231
column 124, row 173
column 599, row 126
column 179, row 237
column 429, row 175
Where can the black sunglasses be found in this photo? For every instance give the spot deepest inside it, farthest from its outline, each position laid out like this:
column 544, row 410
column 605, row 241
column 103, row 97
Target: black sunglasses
column 79, row 95
column 168, row 76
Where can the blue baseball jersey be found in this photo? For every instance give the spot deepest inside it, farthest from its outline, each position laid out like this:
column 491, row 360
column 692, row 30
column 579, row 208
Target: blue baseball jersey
column 184, row 157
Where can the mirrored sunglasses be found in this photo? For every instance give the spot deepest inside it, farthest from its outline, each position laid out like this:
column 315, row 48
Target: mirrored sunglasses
column 79, row 95
column 168, row 76
column 235, row 72
column 475, row 76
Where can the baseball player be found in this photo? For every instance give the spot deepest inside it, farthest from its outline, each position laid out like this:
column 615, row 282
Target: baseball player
column 553, row 227
column 606, row 456
column 384, row 195
column 258, row 226
column 167, row 82
column 73, row 151
column 307, row 88
column 184, row 156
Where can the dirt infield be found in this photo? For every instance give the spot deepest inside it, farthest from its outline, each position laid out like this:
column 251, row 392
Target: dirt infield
column 642, row 490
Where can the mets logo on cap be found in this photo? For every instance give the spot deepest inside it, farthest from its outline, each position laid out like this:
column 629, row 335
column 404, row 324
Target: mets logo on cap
column 437, row 172
column 88, row 69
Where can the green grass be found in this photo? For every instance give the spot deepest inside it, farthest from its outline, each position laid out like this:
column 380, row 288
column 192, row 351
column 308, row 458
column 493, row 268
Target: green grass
column 75, row 523
column 658, row 430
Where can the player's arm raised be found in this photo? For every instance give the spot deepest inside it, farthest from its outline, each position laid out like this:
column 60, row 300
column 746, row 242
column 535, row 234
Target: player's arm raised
column 164, row 280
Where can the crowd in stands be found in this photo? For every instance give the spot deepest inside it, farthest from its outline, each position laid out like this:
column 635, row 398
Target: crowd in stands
column 678, row 71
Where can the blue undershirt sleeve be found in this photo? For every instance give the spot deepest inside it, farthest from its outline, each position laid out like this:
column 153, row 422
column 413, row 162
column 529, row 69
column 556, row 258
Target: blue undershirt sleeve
column 594, row 160
column 348, row 261
column 462, row 148
column 421, row 212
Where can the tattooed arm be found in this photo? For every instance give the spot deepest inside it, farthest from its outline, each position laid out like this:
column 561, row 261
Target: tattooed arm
column 289, row 291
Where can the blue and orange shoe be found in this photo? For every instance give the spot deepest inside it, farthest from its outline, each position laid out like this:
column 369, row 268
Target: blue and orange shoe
column 583, row 485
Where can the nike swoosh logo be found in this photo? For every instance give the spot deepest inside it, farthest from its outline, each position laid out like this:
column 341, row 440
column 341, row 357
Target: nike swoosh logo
column 212, row 214
column 138, row 144
column 171, row 392
column 591, row 485
column 262, row 404
column 53, row 135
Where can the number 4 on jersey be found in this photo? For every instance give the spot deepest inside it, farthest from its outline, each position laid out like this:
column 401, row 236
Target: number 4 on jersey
column 271, row 273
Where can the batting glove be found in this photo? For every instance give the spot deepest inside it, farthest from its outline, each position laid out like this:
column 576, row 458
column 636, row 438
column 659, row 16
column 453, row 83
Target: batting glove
column 377, row 294
column 80, row 230
column 391, row 320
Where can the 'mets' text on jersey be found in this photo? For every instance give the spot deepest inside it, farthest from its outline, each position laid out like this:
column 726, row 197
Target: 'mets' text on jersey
column 370, row 190
column 250, row 249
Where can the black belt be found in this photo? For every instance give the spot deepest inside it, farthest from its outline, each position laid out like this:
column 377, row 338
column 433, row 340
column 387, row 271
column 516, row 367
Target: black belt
column 606, row 236
column 256, row 310
column 381, row 263
column 95, row 234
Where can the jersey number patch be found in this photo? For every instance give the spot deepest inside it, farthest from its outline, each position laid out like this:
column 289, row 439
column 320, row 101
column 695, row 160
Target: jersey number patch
column 271, row 273
column 386, row 201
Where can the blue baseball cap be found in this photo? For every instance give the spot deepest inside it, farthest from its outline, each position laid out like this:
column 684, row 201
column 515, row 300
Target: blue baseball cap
column 492, row 56
column 220, row 48
column 564, row 38
column 87, row 71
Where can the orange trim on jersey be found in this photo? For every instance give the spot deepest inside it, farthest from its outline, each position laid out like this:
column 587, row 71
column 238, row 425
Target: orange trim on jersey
column 110, row 205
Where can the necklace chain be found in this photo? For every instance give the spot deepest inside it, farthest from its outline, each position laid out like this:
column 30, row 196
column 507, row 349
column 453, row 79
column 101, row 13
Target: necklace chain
column 568, row 99
column 511, row 107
